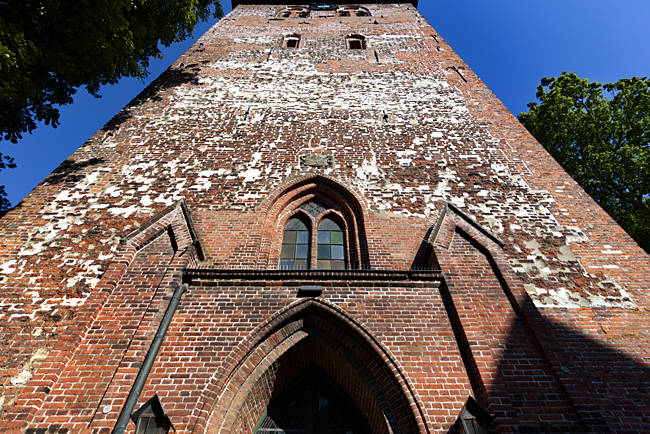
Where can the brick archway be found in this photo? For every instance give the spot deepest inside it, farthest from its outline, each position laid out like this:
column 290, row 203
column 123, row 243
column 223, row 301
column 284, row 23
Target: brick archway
column 315, row 335
column 279, row 207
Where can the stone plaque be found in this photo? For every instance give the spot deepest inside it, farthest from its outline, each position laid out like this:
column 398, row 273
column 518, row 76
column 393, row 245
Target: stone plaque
column 322, row 161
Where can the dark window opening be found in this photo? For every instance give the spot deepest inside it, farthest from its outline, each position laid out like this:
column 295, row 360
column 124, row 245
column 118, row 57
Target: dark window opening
column 356, row 42
column 296, row 240
column 292, row 41
column 331, row 246
column 313, row 404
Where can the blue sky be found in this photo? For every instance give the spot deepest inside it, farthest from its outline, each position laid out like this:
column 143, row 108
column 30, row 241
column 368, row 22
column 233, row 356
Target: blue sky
column 510, row 45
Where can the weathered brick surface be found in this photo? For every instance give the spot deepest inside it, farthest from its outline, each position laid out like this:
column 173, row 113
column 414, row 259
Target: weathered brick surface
column 543, row 290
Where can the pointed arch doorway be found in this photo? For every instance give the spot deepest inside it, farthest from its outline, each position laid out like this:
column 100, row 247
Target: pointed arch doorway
column 313, row 404
column 314, row 370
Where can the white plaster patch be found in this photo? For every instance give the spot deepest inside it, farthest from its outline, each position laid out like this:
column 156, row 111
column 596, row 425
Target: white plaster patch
column 123, row 211
column 8, row 267
column 250, row 175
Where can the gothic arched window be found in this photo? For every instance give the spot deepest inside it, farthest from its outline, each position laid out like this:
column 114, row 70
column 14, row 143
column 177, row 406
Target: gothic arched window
column 295, row 253
column 318, row 227
column 331, row 245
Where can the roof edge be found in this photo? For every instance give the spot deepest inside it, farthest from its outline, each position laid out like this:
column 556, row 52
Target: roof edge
column 298, row 2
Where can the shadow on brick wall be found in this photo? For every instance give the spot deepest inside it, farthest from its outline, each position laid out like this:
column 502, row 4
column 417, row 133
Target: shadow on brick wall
column 569, row 382
column 609, row 390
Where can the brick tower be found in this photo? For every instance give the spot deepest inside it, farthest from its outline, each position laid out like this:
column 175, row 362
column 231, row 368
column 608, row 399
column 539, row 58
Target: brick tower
column 319, row 218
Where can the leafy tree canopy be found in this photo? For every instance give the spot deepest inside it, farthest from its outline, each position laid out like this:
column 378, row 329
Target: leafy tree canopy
column 50, row 48
column 600, row 134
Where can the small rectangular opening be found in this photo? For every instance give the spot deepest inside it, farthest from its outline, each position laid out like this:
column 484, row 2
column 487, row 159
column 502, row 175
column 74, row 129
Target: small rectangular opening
column 355, row 44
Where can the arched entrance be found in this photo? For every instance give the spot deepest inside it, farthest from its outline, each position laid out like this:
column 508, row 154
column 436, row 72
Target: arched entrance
column 313, row 404
column 312, row 365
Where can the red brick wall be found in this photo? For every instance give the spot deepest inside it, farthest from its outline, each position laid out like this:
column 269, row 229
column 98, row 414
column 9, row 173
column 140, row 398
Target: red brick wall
column 225, row 128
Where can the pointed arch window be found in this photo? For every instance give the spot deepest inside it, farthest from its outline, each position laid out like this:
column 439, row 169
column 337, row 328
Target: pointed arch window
column 318, row 225
column 295, row 253
column 331, row 245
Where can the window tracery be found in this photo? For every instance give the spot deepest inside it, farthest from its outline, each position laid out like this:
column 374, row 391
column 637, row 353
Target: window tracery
column 328, row 241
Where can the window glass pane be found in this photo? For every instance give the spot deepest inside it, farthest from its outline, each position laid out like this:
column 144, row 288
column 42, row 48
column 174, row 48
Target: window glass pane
column 302, row 251
column 302, row 237
column 328, row 224
column 295, row 224
column 287, row 251
column 300, row 264
column 289, row 237
column 331, row 245
column 323, row 237
column 323, row 251
column 294, row 254
column 286, row 264
column 337, row 252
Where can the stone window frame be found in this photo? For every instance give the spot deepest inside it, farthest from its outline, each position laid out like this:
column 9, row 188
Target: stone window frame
column 314, row 222
column 353, row 10
column 292, row 41
column 355, row 42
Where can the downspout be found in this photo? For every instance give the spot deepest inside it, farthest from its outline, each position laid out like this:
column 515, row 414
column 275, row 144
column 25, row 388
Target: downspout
column 141, row 379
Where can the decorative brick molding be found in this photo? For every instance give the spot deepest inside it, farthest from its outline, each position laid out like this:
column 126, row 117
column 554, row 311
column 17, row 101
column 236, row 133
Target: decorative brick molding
column 471, row 256
column 292, row 339
column 541, row 315
column 41, row 396
column 284, row 203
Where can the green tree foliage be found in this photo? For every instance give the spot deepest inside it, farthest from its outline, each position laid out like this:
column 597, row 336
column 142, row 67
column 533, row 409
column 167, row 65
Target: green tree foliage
column 50, row 48
column 600, row 134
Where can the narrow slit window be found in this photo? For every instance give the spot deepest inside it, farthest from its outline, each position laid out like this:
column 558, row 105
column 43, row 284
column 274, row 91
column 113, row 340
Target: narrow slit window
column 331, row 246
column 295, row 246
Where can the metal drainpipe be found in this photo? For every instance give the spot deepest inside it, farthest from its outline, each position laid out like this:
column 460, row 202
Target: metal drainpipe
column 136, row 389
